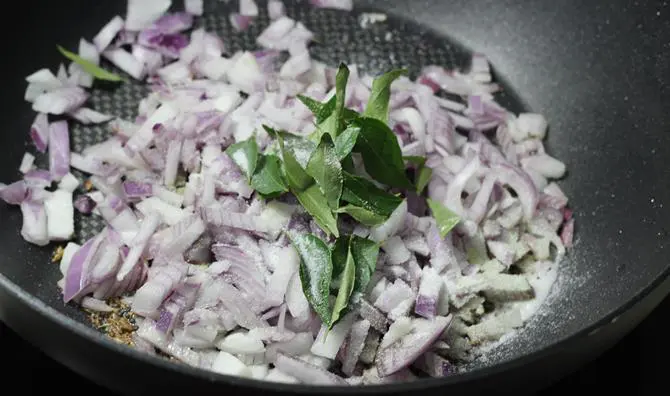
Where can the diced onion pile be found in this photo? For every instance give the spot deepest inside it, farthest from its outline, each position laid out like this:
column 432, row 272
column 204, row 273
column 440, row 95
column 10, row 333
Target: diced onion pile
column 205, row 261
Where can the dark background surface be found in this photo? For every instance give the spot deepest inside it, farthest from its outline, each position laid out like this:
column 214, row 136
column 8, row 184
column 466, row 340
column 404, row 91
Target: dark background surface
column 635, row 366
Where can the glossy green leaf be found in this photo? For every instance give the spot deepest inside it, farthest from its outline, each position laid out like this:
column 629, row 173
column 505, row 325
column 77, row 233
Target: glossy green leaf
column 378, row 104
column 363, row 193
column 365, row 253
column 345, row 142
column 347, row 282
column 363, row 215
column 315, row 272
column 381, row 153
column 313, row 200
column 445, row 218
column 325, row 168
column 268, row 179
column 245, row 155
column 90, row 67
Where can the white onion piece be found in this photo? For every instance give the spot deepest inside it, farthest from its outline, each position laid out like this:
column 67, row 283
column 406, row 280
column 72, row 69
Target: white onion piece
column 275, row 32
column 147, row 228
column 34, row 227
column 106, row 35
column 141, row 14
column 89, row 116
column 228, row 364
column 306, row 372
column 60, row 215
column 275, row 375
column 241, row 343
column 544, row 164
column 248, row 8
column 125, row 61
column 143, row 137
column 26, row 162
column 150, row 59
column 391, row 226
column 60, row 100
column 532, row 124
column 346, row 5
column 275, row 9
column 194, row 7
column 68, row 183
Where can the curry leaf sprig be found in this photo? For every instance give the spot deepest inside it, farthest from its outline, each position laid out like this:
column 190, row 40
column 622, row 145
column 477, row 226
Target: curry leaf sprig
column 319, row 171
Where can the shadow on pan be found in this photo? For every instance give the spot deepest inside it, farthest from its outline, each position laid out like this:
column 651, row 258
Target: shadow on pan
column 599, row 72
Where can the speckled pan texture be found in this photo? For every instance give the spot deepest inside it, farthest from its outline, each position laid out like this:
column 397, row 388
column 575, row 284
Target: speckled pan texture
column 599, row 71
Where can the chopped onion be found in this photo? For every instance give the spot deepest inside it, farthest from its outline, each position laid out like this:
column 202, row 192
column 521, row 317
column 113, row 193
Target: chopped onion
column 194, row 7
column 346, row 5
column 142, row 13
column 107, row 34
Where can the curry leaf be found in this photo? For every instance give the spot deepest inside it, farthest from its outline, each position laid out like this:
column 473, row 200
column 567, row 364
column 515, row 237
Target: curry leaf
column 363, row 215
column 347, row 283
column 313, row 200
column 339, row 255
column 445, row 218
column 365, row 253
column 297, row 177
column 315, row 272
column 334, row 124
column 363, row 193
column 90, row 67
column 424, row 174
column 325, row 168
column 345, row 142
column 416, row 160
column 321, row 110
column 268, row 179
column 378, row 104
column 245, row 155
column 381, row 152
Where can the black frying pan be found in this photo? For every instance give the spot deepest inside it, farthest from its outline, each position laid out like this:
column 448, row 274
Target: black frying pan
column 598, row 70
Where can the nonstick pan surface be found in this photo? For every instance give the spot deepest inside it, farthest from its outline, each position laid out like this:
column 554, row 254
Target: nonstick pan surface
column 599, row 71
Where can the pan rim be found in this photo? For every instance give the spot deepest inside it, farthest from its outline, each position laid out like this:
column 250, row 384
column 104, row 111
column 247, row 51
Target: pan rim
column 83, row 331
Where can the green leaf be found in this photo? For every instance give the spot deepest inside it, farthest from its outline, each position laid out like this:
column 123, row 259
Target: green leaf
column 347, row 283
column 297, row 177
column 445, row 218
column 348, row 164
column 321, row 110
column 416, row 160
column 363, row 215
column 313, row 200
column 381, row 153
column 316, row 270
column 325, row 168
column 363, row 193
column 378, row 104
column 334, row 124
column 345, row 142
column 423, row 178
column 339, row 255
column 364, row 252
column 90, row 67
column 245, row 155
column 423, row 173
column 268, row 179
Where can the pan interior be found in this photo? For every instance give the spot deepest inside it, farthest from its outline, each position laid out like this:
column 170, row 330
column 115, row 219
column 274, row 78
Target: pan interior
column 340, row 37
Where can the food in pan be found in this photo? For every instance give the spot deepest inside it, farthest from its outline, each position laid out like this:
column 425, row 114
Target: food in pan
column 272, row 217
